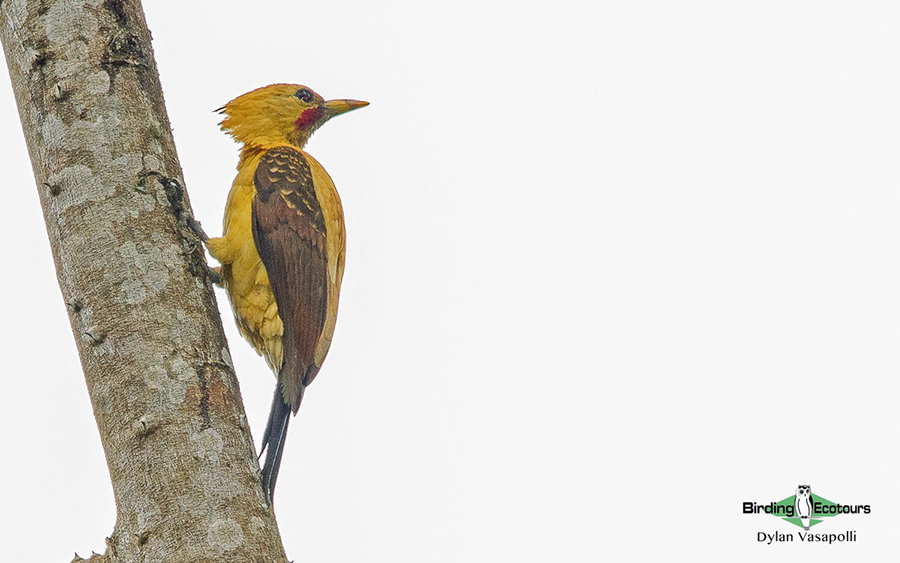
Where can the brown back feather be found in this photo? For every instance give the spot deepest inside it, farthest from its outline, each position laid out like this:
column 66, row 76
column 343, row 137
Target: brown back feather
column 289, row 232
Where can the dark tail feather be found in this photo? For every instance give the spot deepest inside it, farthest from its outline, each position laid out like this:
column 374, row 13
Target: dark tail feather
column 277, row 400
column 273, row 439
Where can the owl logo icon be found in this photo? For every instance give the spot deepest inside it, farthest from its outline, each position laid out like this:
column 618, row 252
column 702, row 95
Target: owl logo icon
column 804, row 504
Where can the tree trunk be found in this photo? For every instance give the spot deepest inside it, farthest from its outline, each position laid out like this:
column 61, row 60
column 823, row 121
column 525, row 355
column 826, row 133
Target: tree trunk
column 134, row 279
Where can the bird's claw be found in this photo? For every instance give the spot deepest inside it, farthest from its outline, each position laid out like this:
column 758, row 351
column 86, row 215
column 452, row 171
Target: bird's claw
column 215, row 274
column 195, row 226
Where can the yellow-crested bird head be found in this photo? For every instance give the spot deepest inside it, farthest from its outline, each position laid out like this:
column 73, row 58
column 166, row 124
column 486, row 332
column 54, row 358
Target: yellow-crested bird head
column 279, row 113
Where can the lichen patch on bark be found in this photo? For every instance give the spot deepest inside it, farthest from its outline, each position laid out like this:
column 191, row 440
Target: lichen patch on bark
column 97, row 82
column 225, row 534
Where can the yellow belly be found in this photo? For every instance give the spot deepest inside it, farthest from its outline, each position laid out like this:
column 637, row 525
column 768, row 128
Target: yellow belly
column 244, row 275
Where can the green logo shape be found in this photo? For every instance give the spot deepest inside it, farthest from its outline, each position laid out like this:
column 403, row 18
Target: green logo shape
column 817, row 516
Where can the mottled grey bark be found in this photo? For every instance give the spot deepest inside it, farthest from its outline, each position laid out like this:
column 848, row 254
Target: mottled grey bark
column 134, row 280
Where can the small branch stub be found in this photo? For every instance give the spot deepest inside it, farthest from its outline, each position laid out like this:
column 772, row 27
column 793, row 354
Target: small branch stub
column 52, row 189
column 142, row 536
column 96, row 335
column 145, row 426
column 60, row 92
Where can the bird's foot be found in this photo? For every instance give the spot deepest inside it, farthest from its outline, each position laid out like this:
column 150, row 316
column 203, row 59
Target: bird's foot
column 215, row 274
column 175, row 194
column 195, row 226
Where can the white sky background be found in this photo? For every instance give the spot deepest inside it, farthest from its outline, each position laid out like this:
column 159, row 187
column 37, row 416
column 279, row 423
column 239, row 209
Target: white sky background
column 613, row 269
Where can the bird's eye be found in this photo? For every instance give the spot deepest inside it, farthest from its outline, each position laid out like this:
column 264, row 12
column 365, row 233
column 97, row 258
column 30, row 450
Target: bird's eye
column 304, row 95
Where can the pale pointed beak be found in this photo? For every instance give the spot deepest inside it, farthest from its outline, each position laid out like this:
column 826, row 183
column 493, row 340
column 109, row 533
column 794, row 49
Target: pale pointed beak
column 337, row 107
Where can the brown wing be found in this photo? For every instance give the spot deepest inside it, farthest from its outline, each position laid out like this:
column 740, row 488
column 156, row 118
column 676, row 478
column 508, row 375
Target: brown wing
column 289, row 232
